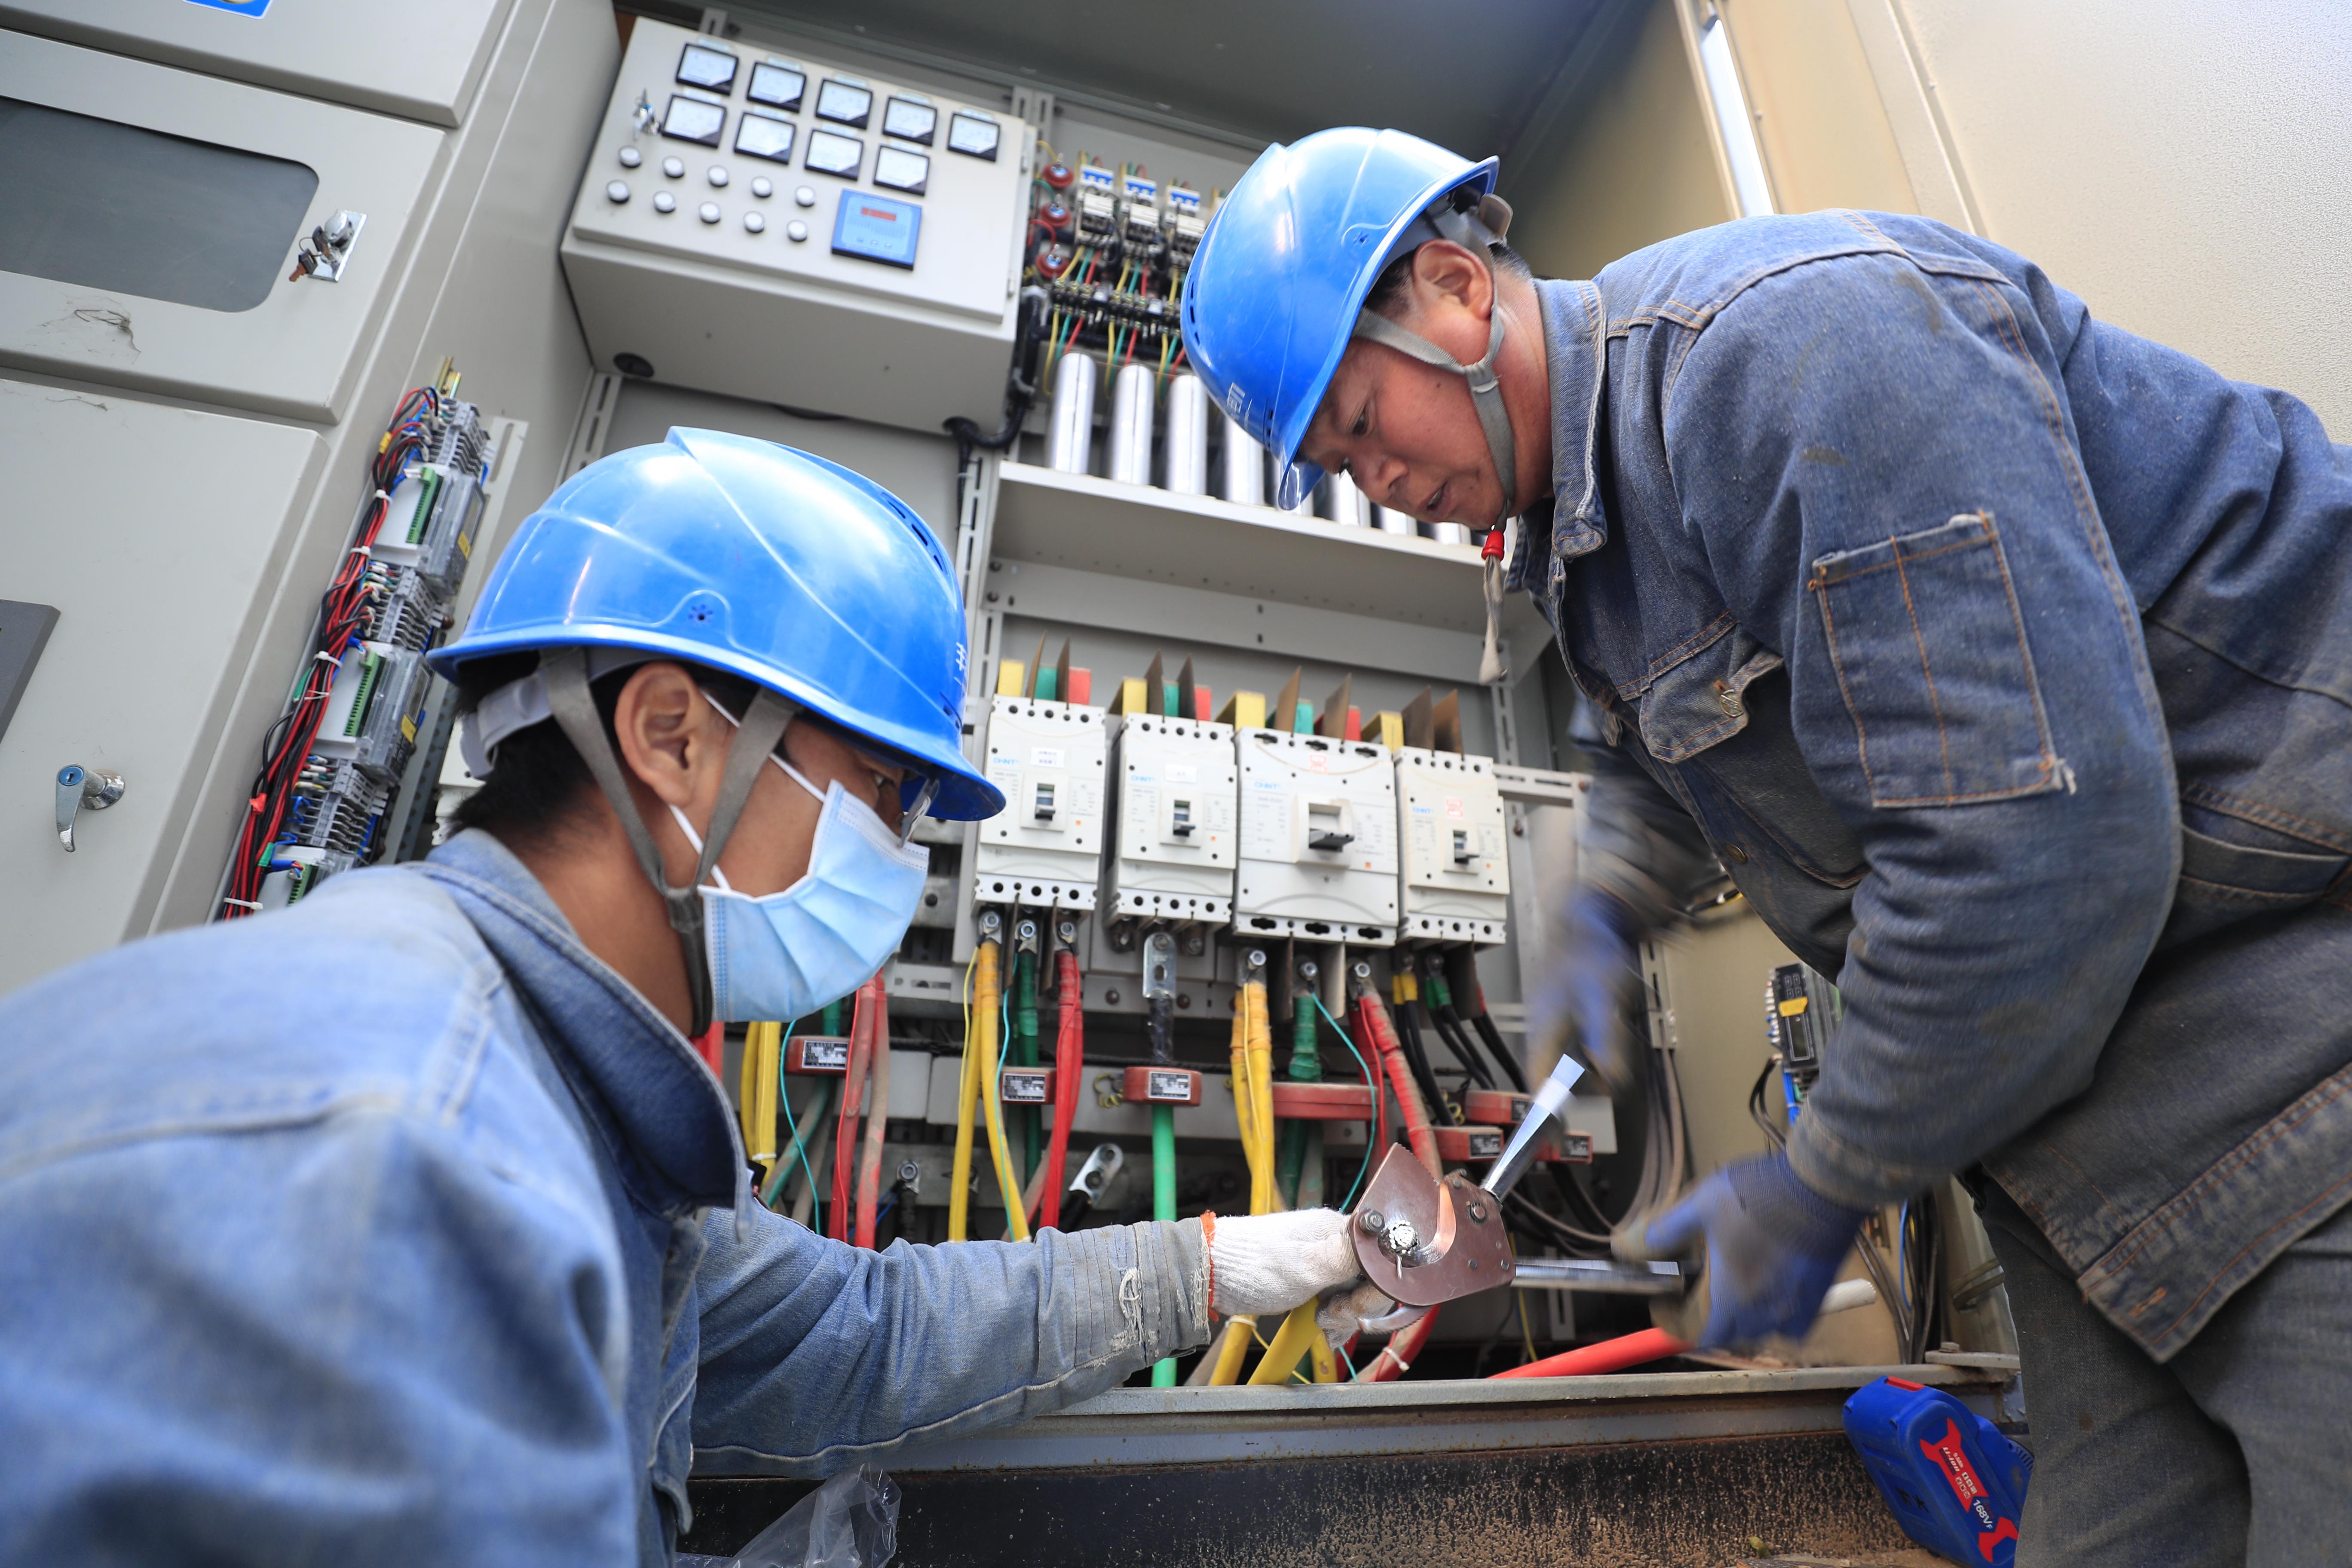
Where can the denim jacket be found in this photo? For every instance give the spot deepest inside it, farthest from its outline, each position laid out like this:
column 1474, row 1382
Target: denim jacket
column 398, row 1230
column 2004, row 660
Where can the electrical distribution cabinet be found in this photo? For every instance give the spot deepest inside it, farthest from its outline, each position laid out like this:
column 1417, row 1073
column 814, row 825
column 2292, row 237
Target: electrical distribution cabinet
column 1045, row 847
column 1457, row 880
column 1317, row 838
column 1173, row 820
column 780, row 229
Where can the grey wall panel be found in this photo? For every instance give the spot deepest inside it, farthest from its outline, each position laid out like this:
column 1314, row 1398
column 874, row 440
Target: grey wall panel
column 152, row 578
column 421, row 61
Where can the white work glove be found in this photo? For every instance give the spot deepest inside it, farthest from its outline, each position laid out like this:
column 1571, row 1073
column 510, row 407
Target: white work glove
column 1260, row 1266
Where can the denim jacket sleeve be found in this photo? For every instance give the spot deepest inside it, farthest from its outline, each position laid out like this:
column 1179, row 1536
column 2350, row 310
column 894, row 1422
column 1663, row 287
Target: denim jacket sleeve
column 818, row 1355
column 1877, row 455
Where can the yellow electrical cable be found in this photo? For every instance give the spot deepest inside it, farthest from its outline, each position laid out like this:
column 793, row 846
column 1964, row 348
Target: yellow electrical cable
column 744, row 1091
column 967, row 1095
column 1259, row 1061
column 1244, row 1099
column 1231, row 1349
column 991, row 1100
column 763, row 1048
column 1290, row 1342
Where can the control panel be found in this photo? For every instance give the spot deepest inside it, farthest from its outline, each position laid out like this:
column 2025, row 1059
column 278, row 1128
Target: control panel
column 859, row 240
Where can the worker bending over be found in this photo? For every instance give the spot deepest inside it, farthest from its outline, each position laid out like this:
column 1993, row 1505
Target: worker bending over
column 2004, row 661
column 470, row 1272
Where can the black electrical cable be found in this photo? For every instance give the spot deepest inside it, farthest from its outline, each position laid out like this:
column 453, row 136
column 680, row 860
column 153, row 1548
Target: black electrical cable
column 1020, row 387
column 1449, row 1030
column 1494, row 1039
column 1575, row 1241
column 1760, row 1114
column 1572, row 1196
column 1416, row 1057
column 1469, row 1005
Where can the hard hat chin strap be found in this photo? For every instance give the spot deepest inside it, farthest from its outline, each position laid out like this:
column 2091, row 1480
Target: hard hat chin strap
column 565, row 671
column 1486, row 389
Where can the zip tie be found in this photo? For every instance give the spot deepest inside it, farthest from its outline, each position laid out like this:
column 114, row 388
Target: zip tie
column 331, row 658
column 362, row 549
column 244, row 904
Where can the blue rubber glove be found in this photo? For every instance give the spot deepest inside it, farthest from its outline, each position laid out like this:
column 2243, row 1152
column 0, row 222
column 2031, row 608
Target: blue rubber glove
column 1773, row 1247
column 1582, row 995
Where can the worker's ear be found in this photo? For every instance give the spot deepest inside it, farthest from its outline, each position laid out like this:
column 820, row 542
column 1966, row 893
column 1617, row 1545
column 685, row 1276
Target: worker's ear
column 1447, row 277
column 667, row 735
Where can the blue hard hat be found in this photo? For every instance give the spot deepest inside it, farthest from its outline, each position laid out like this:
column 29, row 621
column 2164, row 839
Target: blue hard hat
column 763, row 561
column 1272, row 296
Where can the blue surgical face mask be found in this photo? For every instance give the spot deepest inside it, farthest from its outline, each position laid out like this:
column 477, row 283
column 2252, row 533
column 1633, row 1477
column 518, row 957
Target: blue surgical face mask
column 786, row 954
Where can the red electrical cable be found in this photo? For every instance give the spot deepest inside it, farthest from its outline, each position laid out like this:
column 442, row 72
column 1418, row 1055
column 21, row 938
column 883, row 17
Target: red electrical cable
column 1069, row 1075
column 878, row 1103
column 1609, row 1356
column 1374, row 1024
column 844, row 1124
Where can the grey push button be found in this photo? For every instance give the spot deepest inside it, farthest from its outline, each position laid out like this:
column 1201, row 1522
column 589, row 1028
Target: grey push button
column 754, row 223
column 805, row 198
column 763, row 187
column 717, row 175
column 631, row 157
column 617, row 192
column 664, row 202
column 673, row 167
column 797, row 231
column 707, row 212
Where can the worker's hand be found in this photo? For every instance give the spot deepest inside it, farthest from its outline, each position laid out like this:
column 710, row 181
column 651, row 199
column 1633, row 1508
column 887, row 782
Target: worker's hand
column 1260, row 1266
column 1771, row 1246
column 1582, row 995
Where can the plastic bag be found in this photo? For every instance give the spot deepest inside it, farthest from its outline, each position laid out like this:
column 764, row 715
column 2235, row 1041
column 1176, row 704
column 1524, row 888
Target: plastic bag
column 851, row 1522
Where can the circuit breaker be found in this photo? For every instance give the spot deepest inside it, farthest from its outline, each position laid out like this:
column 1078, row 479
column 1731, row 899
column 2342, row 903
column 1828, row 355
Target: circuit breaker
column 1173, row 820
column 1045, row 847
column 1457, row 880
column 1318, row 855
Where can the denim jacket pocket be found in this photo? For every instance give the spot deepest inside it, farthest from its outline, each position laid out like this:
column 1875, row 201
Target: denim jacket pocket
column 2223, row 883
column 1930, row 654
column 1701, row 700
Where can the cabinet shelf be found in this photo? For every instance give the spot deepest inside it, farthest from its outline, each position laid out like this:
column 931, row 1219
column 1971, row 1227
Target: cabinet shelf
column 1099, row 525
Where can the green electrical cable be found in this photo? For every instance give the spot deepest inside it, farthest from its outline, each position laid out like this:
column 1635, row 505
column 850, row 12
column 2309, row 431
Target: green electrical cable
column 1163, row 1204
column 1024, row 1051
column 1306, row 1067
column 1366, row 1168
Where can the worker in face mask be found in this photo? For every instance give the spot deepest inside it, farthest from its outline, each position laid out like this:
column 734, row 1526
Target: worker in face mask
column 1999, row 657
column 406, row 1224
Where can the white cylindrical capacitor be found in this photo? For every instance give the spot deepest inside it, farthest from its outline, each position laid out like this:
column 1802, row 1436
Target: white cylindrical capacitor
column 1187, row 466
column 1449, row 533
column 1070, row 441
column 1394, row 522
column 1343, row 503
column 1131, row 411
column 1243, row 468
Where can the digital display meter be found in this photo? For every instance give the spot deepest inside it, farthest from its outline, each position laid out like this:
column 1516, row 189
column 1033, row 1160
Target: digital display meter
column 876, row 228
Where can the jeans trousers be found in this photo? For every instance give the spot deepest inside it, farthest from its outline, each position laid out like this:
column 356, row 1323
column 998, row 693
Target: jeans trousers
column 2237, row 1450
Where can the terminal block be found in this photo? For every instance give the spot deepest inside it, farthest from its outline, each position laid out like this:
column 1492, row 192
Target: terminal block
column 1185, row 224
column 1098, row 204
column 1456, row 881
column 403, row 609
column 1045, row 847
column 434, row 511
column 334, row 807
column 1173, row 778
column 374, row 710
column 1319, row 817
